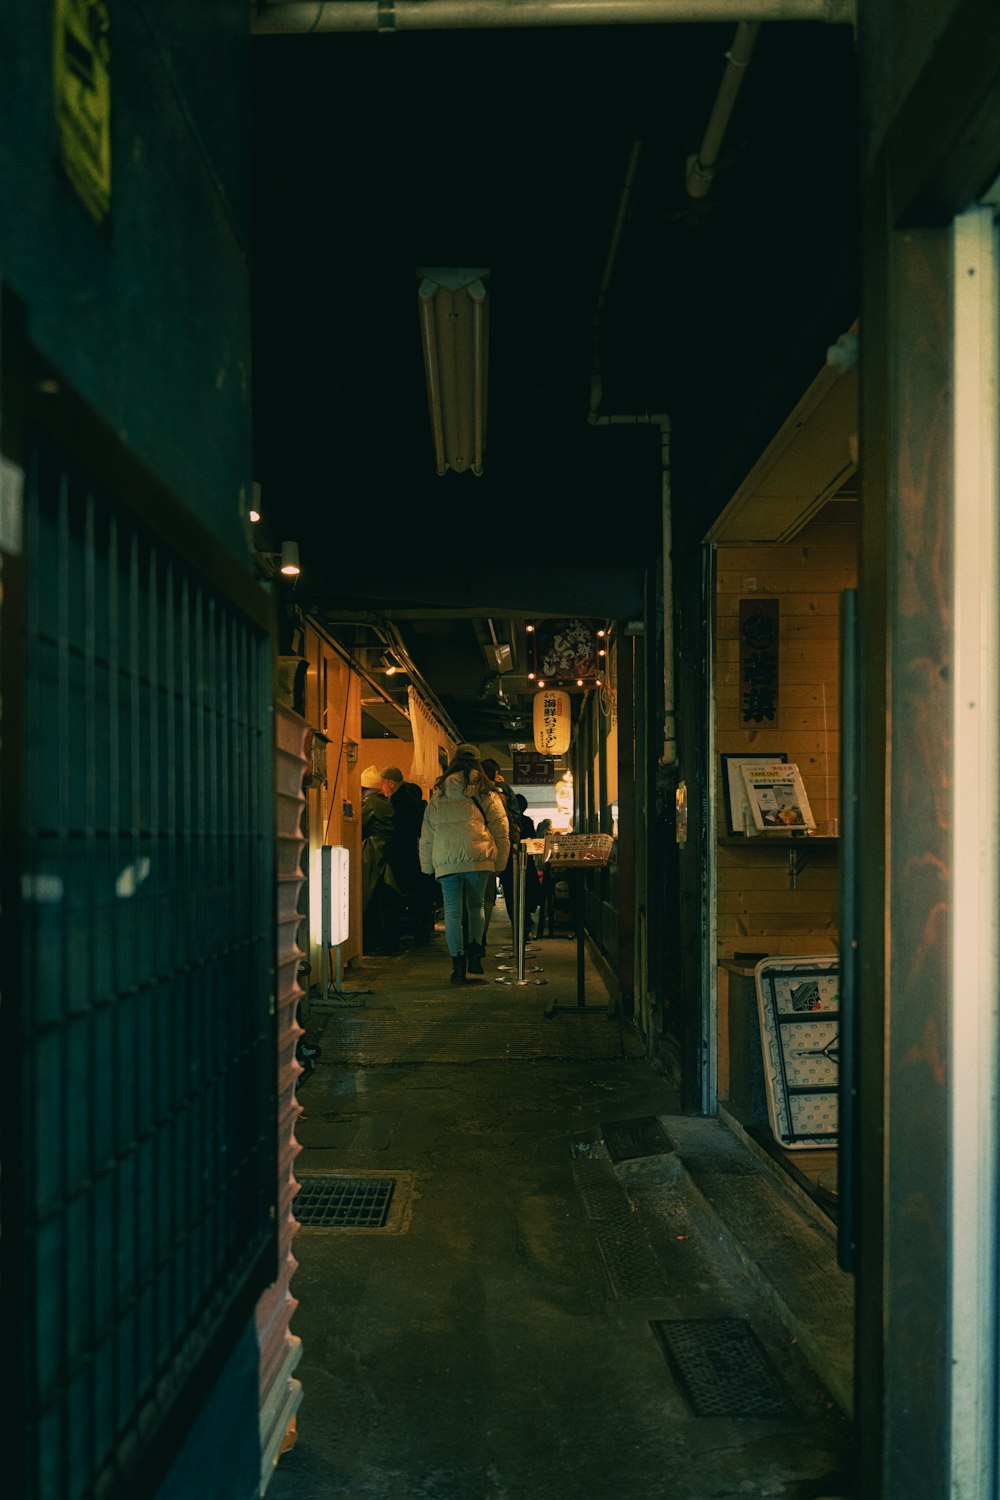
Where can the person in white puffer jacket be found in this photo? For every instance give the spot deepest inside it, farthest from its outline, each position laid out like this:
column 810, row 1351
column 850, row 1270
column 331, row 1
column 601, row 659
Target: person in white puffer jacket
column 464, row 838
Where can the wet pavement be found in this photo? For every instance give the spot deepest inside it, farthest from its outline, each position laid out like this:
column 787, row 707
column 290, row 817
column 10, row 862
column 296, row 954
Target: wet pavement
column 497, row 1339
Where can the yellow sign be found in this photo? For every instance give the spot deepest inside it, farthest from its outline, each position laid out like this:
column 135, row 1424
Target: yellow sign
column 552, row 724
column 82, row 77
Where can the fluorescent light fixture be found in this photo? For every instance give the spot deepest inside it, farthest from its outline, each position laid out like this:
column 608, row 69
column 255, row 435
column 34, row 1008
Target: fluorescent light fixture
column 454, row 331
column 329, row 895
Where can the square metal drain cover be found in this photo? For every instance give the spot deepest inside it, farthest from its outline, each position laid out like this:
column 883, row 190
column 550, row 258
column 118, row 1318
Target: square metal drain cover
column 722, row 1368
column 627, row 1139
column 344, row 1202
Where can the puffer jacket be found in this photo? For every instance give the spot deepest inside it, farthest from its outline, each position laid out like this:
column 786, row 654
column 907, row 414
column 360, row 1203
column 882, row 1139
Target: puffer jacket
column 456, row 836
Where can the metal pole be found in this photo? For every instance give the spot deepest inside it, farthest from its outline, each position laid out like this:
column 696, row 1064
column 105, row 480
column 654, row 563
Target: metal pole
column 519, row 873
column 314, row 16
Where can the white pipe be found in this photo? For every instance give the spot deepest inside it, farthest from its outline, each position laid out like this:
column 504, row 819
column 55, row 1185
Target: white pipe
column 701, row 166
column 271, row 16
column 662, row 421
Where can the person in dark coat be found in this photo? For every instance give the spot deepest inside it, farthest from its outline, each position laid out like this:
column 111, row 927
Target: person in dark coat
column 408, row 807
column 379, row 890
column 547, row 888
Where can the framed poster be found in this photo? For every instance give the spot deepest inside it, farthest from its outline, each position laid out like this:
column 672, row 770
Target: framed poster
column 733, row 788
column 777, row 798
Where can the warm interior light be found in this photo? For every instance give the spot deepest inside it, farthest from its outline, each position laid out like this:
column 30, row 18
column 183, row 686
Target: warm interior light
column 579, row 682
column 541, row 682
column 390, row 670
column 254, row 517
column 290, row 559
column 601, row 634
column 530, row 627
column 531, row 676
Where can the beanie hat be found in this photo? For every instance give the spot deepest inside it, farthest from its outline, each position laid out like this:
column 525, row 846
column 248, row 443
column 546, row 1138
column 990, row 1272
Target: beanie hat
column 466, row 752
column 371, row 777
column 391, row 773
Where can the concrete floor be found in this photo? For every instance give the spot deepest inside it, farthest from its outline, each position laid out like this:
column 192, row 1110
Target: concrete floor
column 494, row 1341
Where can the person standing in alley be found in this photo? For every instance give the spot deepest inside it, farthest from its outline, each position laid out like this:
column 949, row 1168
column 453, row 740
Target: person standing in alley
column 464, row 838
column 506, row 795
column 408, row 807
column 379, row 890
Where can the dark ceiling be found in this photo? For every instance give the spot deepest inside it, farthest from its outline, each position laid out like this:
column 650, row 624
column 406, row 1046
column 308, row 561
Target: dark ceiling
column 374, row 155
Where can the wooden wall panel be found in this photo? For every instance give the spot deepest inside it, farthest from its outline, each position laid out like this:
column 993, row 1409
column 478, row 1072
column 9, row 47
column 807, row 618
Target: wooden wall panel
column 333, row 706
column 761, row 906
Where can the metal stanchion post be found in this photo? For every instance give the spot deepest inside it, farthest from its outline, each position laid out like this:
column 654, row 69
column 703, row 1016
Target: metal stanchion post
column 520, row 864
column 519, row 869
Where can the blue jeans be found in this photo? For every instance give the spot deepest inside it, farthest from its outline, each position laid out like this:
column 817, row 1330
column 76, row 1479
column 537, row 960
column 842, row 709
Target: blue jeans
column 472, row 884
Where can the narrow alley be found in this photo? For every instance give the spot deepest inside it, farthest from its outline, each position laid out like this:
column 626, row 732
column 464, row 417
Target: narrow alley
column 497, row 1337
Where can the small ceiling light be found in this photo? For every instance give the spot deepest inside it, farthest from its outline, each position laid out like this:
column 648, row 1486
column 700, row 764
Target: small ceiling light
column 601, row 653
column 602, row 633
column 541, row 682
column 531, row 676
column 529, row 628
column 579, row 682
column 290, row 559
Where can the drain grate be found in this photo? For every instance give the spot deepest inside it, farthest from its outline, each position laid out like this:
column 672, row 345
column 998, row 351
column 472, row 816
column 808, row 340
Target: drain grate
column 722, row 1368
column 627, row 1139
column 344, row 1202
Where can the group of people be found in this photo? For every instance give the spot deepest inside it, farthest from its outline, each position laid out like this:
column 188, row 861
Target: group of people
column 472, row 826
column 465, row 838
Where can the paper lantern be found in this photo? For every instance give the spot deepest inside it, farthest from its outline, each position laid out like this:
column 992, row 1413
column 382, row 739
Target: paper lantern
column 552, row 722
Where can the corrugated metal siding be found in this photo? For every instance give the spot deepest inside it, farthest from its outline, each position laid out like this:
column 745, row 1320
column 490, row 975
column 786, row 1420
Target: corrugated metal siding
column 280, row 1392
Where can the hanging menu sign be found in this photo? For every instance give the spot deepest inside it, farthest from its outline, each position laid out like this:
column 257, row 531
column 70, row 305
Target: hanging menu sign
column 81, row 61
column 759, row 662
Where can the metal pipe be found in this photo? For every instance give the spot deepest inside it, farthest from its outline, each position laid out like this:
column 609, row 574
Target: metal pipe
column 274, row 16
column 520, row 869
column 661, row 420
column 701, row 166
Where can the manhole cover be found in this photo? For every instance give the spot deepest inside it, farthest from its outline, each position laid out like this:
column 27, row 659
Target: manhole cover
column 722, row 1368
column 627, row 1139
column 344, row 1202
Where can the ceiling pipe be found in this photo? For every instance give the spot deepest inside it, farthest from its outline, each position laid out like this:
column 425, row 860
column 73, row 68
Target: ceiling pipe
column 701, row 166
column 390, row 638
column 275, row 16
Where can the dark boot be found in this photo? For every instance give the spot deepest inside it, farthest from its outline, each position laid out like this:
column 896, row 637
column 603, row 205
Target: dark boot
column 458, row 975
column 476, row 958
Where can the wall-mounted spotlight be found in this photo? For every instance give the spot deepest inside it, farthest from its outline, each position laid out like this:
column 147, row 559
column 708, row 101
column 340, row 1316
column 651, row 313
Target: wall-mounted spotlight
column 290, row 559
column 254, row 503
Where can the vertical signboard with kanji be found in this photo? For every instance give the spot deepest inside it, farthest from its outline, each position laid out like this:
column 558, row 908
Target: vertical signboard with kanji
column 81, row 66
column 759, row 662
